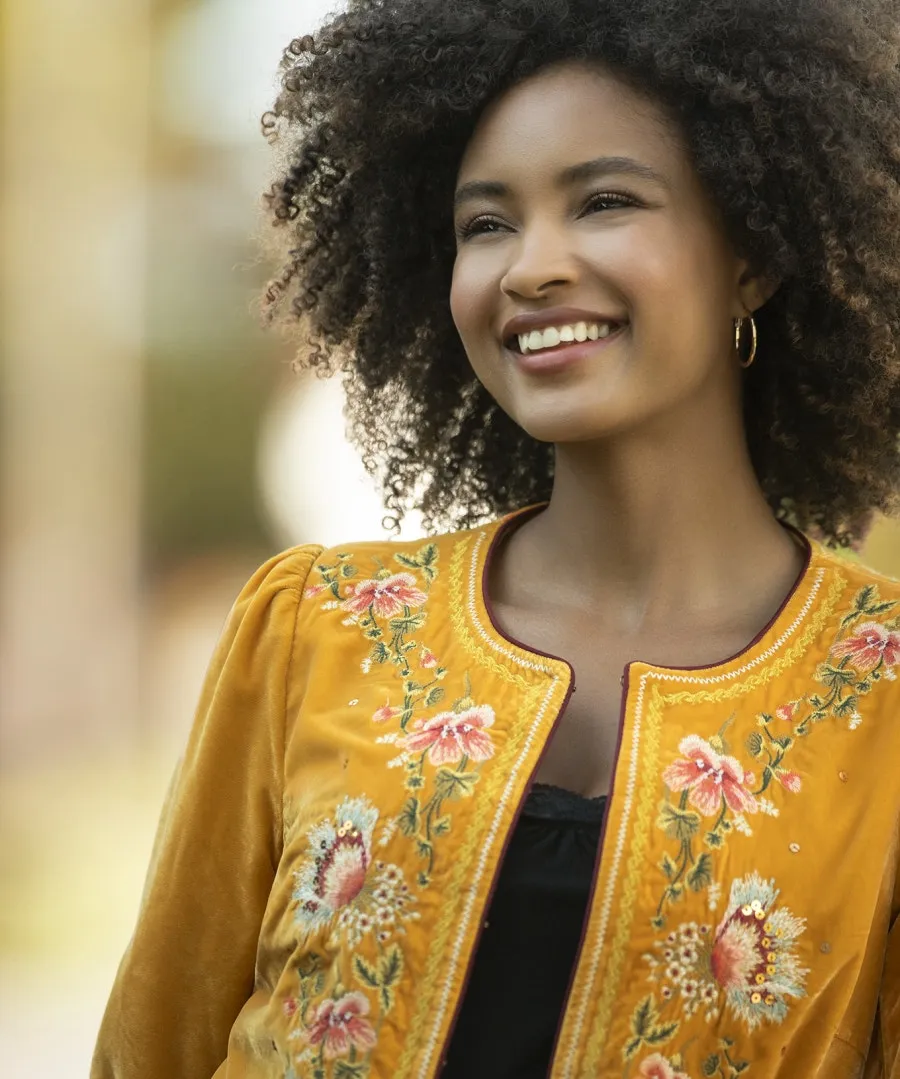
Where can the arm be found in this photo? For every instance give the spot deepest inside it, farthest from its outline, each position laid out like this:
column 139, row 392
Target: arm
column 189, row 968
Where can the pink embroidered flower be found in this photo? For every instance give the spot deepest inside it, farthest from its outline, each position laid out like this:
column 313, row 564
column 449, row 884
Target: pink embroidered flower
column 452, row 735
column 790, row 781
column 427, row 658
column 313, row 590
column 786, row 711
column 386, row 597
column 869, row 646
column 290, row 1006
column 340, row 1025
column 385, row 713
column 710, row 777
column 658, row 1067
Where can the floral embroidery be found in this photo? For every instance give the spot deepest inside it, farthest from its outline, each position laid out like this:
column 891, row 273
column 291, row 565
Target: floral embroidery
column 339, row 884
column 749, row 961
column 713, row 780
column 385, row 597
column 341, row 1025
column 452, row 736
column 713, row 783
column 658, row 1067
column 872, row 646
column 337, row 1034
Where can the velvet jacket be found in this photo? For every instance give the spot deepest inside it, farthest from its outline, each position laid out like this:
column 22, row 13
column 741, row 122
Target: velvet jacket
column 365, row 739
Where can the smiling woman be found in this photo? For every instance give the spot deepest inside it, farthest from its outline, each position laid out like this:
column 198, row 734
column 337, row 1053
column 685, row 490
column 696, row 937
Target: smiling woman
column 638, row 266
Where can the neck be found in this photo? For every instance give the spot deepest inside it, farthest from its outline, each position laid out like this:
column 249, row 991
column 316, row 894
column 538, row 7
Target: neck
column 656, row 527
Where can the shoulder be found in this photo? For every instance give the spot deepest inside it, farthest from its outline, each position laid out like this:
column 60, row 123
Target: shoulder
column 858, row 576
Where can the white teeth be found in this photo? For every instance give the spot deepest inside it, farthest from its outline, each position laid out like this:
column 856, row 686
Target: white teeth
column 554, row 335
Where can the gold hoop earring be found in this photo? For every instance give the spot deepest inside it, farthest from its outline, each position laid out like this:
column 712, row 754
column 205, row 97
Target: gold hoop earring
column 738, row 327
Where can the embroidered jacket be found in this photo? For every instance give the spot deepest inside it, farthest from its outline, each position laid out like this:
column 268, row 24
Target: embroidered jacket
column 364, row 742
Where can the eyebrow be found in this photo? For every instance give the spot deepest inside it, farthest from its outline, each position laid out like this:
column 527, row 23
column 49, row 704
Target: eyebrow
column 585, row 170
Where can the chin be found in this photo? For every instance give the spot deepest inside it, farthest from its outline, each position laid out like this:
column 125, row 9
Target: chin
column 561, row 425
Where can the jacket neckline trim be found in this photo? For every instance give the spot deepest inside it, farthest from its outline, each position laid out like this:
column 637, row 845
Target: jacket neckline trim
column 783, row 624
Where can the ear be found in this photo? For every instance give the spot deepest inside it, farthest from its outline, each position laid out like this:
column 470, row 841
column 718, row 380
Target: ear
column 754, row 289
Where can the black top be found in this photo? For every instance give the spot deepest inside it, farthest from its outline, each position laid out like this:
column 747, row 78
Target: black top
column 520, row 977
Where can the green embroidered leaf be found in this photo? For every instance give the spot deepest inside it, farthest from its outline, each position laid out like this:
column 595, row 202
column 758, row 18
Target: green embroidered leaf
column 754, row 743
column 411, row 687
column 701, row 875
column 450, row 784
column 864, row 597
column 366, row 973
column 632, row 1047
column 668, row 867
column 786, row 742
column 390, row 966
column 379, row 653
column 836, row 677
column 881, row 608
column 740, row 1066
column 348, row 570
column 319, row 984
column 424, row 848
column 441, row 826
column 678, row 824
column 711, row 1064
column 713, row 839
column 659, row 922
column 428, row 554
column 407, row 623
column 318, row 1073
column 375, row 634
column 847, row 706
column 408, row 818
column 661, row 1034
column 435, row 694
column 343, row 1069
column 644, row 1016
column 765, row 717
column 405, row 560
column 423, row 879
column 727, row 1042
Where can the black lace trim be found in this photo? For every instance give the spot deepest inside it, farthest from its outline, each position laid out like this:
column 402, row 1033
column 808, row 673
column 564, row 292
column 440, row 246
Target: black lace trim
column 547, row 802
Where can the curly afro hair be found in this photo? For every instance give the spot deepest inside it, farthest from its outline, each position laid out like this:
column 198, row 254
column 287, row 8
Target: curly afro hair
column 791, row 112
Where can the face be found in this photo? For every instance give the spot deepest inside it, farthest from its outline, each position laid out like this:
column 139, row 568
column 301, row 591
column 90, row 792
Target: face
column 577, row 203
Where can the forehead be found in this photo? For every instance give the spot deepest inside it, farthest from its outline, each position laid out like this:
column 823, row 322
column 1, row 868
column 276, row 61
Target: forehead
column 569, row 112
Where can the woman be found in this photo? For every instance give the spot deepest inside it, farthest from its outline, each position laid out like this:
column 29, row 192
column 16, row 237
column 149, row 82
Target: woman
column 401, row 843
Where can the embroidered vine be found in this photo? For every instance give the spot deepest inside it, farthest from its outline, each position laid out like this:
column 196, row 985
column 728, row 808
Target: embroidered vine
column 716, row 792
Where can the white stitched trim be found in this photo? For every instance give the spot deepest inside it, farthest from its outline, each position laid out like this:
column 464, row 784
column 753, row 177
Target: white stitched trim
column 466, row 915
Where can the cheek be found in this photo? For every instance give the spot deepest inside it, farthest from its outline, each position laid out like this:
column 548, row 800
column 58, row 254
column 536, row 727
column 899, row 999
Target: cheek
column 471, row 293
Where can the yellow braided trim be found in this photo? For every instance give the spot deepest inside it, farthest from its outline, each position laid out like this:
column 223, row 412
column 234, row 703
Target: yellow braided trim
column 777, row 666
column 644, row 812
column 440, row 966
column 643, row 820
column 461, row 624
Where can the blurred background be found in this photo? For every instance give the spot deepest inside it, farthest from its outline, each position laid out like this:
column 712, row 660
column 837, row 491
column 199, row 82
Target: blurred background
column 152, row 441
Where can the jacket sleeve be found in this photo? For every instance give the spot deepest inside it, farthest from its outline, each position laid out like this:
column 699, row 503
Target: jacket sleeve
column 889, row 1005
column 189, row 967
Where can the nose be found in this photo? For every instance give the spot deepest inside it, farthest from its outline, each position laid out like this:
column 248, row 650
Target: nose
column 541, row 259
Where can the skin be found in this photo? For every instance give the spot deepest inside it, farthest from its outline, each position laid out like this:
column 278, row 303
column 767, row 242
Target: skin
column 657, row 543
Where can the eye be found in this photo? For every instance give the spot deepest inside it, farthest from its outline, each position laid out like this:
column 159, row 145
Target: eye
column 609, row 200
column 477, row 226
column 484, row 224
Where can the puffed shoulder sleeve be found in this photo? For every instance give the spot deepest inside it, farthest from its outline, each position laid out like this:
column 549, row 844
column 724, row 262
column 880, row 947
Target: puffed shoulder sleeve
column 189, row 967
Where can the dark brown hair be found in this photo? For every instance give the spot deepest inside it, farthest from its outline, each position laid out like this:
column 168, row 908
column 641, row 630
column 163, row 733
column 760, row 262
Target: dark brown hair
column 791, row 111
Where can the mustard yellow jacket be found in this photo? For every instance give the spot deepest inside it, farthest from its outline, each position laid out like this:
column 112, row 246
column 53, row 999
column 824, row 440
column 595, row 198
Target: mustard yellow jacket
column 364, row 742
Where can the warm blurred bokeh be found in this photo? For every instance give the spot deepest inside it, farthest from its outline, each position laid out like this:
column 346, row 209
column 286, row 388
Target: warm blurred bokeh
column 152, row 440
